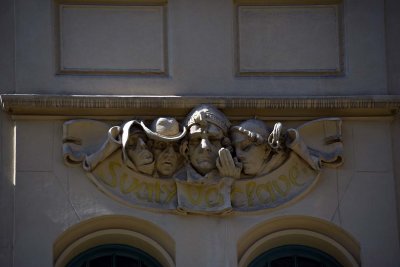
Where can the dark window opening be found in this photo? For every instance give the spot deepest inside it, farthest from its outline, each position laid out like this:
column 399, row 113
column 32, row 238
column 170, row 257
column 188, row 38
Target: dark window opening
column 114, row 256
column 294, row 256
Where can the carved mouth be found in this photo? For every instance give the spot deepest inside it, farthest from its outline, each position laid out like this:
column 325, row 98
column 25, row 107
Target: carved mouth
column 205, row 160
column 168, row 163
column 147, row 157
column 244, row 162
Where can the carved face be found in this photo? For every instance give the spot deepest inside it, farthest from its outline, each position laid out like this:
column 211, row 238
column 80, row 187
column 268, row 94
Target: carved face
column 138, row 151
column 166, row 156
column 251, row 155
column 204, row 143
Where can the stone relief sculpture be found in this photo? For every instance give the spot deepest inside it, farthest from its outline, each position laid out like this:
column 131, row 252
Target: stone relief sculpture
column 258, row 156
column 166, row 136
column 205, row 164
column 207, row 137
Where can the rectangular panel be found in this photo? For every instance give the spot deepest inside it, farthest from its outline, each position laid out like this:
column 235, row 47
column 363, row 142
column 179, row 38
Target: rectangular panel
column 289, row 40
column 117, row 38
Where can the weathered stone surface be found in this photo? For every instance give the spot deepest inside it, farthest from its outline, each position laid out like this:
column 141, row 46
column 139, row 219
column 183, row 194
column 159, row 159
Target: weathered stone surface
column 205, row 165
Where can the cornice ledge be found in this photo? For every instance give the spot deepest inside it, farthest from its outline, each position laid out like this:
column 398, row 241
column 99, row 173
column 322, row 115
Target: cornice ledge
column 122, row 105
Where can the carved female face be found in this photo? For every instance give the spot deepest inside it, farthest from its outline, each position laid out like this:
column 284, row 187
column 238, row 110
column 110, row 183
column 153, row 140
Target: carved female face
column 138, row 151
column 166, row 156
column 251, row 155
column 204, row 144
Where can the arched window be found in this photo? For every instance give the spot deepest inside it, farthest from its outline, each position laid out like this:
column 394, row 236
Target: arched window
column 297, row 241
column 114, row 256
column 114, row 240
column 294, row 256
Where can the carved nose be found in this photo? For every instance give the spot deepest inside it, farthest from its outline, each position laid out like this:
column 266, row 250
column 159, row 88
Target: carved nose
column 141, row 143
column 239, row 153
column 205, row 144
column 169, row 149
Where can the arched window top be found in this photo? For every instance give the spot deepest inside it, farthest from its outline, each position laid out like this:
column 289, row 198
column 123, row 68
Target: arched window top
column 299, row 230
column 114, row 255
column 114, row 229
column 294, row 256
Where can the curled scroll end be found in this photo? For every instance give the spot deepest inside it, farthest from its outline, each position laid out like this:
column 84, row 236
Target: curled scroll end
column 333, row 164
column 324, row 140
column 114, row 134
column 112, row 143
column 72, row 154
column 334, row 158
column 81, row 138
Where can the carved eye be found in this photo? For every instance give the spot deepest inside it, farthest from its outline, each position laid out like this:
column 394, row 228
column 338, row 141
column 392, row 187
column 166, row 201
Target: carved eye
column 194, row 141
column 243, row 146
column 175, row 146
column 215, row 141
column 160, row 145
column 133, row 140
column 246, row 148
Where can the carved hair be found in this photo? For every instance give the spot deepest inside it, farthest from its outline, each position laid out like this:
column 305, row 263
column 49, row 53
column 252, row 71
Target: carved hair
column 254, row 137
column 255, row 130
column 204, row 114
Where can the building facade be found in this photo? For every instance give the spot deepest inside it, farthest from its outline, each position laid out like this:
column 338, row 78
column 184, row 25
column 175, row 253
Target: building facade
column 280, row 118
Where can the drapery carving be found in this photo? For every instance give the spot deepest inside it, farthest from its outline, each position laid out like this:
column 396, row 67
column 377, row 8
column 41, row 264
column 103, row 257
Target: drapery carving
column 203, row 164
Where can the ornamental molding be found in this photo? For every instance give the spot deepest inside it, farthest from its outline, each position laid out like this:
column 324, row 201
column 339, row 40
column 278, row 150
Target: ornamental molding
column 179, row 106
column 179, row 155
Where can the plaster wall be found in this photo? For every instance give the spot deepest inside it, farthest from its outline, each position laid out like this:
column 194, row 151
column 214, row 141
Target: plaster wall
column 7, row 85
column 47, row 197
column 359, row 197
column 201, row 55
column 392, row 9
column 7, row 189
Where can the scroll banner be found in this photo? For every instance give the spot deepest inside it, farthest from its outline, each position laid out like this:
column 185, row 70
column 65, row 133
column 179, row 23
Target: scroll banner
column 98, row 148
column 205, row 198
column 118, row 181
column 289, row 182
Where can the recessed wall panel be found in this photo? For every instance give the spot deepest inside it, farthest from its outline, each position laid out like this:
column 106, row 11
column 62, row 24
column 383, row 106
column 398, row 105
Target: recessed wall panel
column 289, row 40
column 107, row 39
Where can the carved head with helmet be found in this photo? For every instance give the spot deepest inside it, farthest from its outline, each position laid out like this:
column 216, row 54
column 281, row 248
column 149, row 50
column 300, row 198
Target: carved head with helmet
column 250, row 140
column 207, row 133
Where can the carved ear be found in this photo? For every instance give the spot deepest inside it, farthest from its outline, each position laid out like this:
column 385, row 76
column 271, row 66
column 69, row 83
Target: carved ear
column 184, row 149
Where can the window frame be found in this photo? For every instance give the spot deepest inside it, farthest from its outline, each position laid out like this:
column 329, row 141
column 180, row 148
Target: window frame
column 113, row 250
column 276, row 253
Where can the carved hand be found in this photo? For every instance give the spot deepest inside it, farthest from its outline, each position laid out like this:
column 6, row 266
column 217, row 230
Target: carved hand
column 277, row 136
column 227, row 166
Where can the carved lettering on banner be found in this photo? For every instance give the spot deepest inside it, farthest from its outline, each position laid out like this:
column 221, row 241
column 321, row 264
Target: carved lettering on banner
column 269, row 191
column 204, row 164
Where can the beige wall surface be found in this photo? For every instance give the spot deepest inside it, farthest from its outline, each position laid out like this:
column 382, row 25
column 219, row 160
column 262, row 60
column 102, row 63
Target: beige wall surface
column 7, row 85
column 359, row 197
column 196, row 44
column 201, row 54
column 392, row 9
